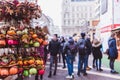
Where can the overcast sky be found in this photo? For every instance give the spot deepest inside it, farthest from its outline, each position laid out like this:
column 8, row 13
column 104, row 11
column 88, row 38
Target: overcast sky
column 52, row 8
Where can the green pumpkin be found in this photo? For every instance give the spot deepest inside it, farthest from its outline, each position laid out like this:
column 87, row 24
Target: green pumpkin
column 33, row 71
column 36, row 44
column 26, row 73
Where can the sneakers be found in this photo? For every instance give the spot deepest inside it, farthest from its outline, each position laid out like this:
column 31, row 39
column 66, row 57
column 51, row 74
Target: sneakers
column 69, row 77
column 84, row 74
column 100, row 70
column 73, row 75
column 88, row 68
column 114, row 72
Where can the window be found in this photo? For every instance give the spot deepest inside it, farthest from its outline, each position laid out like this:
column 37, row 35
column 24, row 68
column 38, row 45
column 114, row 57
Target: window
column 64, row 22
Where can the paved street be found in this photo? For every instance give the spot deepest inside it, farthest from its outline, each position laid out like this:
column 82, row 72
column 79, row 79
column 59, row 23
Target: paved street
column 92, row 74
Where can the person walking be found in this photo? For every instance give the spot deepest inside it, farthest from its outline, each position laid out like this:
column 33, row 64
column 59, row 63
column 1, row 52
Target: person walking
column 88, row 50
column 82, row 46
column 54, row 47
column 113, row 52
column 62, row 43
column 70, row 49
column 97, row 54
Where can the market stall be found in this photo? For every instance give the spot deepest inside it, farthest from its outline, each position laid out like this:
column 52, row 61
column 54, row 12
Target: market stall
column 21, row 42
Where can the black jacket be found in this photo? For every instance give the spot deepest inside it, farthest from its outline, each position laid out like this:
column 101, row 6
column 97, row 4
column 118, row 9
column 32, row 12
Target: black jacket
column 54, row 47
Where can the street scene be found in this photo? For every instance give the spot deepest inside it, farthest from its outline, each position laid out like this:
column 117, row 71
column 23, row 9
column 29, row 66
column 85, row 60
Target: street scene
column 59, row 39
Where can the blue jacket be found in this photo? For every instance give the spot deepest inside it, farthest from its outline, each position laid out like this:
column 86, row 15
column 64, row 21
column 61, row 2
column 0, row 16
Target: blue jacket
column 113, row 52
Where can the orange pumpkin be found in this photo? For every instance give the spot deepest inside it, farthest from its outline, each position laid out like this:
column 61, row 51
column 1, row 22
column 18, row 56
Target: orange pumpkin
column 31, row 32
column 20, row 63
column 13, row 70
column 2, row 42
column 39, row 40
column 34, row 36
column 11, row 32
column 38, row 62
column 45, row 43
column 4, row 72
column 31, row 61
column 25, row 62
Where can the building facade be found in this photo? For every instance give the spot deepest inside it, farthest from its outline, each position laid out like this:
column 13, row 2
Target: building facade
column 77, row 15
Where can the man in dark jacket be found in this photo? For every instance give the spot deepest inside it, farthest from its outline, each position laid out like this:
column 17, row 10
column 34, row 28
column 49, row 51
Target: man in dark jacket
column 83, row 57
column 113, row 52
column 54, row 47
column 88, row 50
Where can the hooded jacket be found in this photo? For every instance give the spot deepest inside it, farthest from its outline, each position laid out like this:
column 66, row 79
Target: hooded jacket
column 113, row 52
column 66, row 47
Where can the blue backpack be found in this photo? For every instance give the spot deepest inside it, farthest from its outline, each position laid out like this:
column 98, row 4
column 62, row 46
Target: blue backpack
column 82, row 47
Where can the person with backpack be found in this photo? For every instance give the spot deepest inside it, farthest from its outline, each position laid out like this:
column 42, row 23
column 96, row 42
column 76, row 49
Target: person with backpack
column 70, row 49
column 112, row 52
column 83, row 57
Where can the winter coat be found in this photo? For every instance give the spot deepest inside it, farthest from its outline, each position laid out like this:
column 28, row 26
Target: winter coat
column 96, row 50
column 89, row 46
column 54, row 47
column 113, row 52
column 61, row 46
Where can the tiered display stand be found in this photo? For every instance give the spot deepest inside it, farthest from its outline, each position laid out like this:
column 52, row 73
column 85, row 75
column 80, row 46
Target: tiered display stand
column 19, row 41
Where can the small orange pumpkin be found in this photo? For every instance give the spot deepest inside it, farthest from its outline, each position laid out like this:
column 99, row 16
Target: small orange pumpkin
column 34, row 36
column 45, row 43
column 31, row 61
column 13, row 70
column 11, row 32
column 20, row 63
column 25, row 62
column 39, row 40
column 2, row 42
column 4, row 72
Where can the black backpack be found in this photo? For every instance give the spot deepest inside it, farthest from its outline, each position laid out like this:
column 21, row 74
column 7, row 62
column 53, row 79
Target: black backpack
column 82, row 47
column 72, row 48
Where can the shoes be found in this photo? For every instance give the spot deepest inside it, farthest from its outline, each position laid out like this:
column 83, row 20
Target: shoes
column 84, row 74
column 69, row 77
column 78, row 74
column 100, row 70
column 50, row 75
column 114, row 72
column 88, row 68
column 54, row 73
column 73, row 75
column 64, row 67
column 94, row 66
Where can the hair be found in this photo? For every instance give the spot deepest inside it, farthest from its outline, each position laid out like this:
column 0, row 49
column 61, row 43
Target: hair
column 113, row 34
column 55, row 35
column 83, row 35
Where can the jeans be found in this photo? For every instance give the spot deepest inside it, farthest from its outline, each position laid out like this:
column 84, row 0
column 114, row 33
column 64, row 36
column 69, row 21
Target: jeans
column 53, row 59
column 69, row 60
column 98, row 63
column 87, row 59
column 63, row 57
column 82, row 61
column 112, row 64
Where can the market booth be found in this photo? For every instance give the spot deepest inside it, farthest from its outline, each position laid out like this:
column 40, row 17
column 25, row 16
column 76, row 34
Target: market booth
column 21, row 43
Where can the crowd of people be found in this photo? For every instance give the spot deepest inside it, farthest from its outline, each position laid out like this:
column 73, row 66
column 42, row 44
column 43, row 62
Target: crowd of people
column 69, row 49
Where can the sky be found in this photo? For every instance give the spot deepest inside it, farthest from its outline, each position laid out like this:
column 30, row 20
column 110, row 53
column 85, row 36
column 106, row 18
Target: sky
column 52, row 8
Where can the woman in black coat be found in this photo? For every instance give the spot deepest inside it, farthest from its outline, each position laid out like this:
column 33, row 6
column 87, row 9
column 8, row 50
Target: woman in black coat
column 97, row 54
